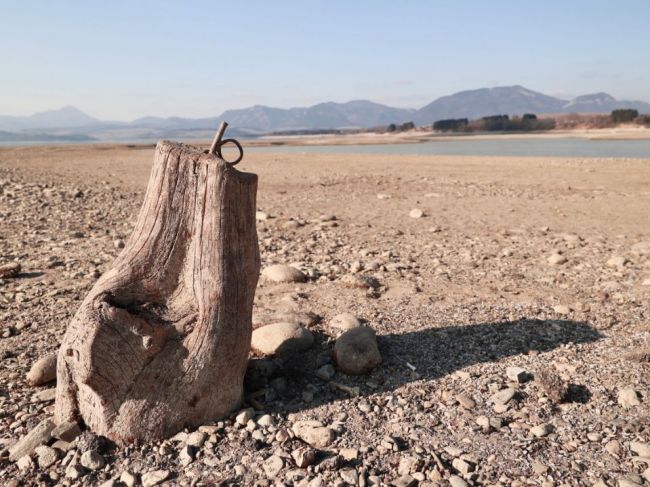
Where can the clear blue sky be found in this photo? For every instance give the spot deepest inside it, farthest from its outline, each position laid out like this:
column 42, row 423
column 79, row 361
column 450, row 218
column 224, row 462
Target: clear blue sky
column 125, row 59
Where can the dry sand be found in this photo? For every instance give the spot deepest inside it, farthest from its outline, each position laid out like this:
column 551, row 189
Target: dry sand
column 465, row 291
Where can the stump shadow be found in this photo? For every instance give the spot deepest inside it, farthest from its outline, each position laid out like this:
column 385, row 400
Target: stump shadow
column 433, row 353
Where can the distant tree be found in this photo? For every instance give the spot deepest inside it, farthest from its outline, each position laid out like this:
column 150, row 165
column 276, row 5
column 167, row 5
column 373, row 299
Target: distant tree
column 450, row 124
column 643, row 120
column 495, row 123
column 391, row 128
column 407, row 126
column 624, row 115
column 529, row 116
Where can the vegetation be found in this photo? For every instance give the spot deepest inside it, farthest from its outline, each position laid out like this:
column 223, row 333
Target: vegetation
column 496, row 123
column 624, row 115
column 451, row 125
column 400, row 128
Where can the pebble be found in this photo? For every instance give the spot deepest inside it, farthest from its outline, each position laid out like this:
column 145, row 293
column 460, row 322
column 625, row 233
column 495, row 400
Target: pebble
column 314, row 433
column 541, row 430
column 517, row 374
column 272, row 466
column 456, row 481
column 76, row 471
column 66, row 431
column 466, row 401
column 92, row 460
column 279, row 338
column 562, row 309
column 557, row 259
column 326, row 372
column 28, row 443
column 10, row 270
column 356, row 351
column 641, row 449
column 303, row 456
column 46, row 456
column 42, row 371
column 416, row 213
column 154, row 477
column 344, row 322
column 617, row 261
column 244, row 416
column 283, row 273
column 128, row 479
column 197, row 438
column 503, row 397
column 628, row 397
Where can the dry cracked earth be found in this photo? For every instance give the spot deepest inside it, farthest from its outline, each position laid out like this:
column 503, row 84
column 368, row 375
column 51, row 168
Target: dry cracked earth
column 511, row 308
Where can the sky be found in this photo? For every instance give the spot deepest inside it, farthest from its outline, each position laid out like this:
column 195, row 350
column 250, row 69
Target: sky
column 120, row 60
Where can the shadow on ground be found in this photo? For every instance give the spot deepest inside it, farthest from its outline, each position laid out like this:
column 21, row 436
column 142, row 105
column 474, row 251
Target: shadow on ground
column 281, row 384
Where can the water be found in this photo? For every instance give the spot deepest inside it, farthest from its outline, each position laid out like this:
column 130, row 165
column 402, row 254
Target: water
column 533, row 147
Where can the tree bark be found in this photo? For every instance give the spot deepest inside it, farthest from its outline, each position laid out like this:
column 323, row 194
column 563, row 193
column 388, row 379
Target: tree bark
column 162, row 340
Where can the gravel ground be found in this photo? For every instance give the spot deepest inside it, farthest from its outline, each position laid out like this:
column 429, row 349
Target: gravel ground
column 511, row 313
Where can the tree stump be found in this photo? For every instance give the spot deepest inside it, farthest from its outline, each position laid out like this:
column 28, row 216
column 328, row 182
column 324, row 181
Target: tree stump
column 162, row 340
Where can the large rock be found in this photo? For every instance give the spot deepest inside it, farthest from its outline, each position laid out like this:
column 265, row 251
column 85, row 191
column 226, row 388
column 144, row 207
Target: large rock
column 314, row 433
column 43, row 371
column 281, row 338
column 356, row 351
column 28, row 443
column 283, row 273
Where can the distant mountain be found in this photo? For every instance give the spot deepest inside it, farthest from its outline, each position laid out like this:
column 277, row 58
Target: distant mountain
column 70, row 122
column 510, row 100
column 66, row 117
column 602, row 103
column 353, row 114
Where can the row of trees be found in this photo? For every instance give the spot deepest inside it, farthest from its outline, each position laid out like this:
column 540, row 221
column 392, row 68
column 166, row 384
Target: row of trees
column 495, row 123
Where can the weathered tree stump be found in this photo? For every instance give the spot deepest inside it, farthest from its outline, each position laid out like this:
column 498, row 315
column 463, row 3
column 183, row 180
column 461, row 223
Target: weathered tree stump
column 162, row 340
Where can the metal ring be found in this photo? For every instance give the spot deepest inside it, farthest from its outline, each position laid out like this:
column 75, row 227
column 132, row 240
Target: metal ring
column 237, row 144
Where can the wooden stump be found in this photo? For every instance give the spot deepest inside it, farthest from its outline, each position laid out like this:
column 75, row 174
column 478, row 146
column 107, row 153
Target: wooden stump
column 162, row 340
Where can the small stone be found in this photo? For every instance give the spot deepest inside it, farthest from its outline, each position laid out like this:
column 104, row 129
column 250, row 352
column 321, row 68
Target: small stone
column 504, row 396
column 43, row 371
column 628, row 398
column 613, row 447
column 349, row 476
column 541, row 430
column 283, row 273
column 314, row 433
column 562, row 309
column 641, row 449
column 261, row 216
column 280, row 338
column 92, row 460
column 75, row 471
column 154, row 477
column 356, row 281
column 344, row 322
column 244, row 416
column 461, row 466
column 617, row 261
column 557, row 259
column 349, row 454
column 186, row 456
column 25, row 463
column 28, row 443
column 10, row 270
column 326, row 372
column 466, row 401
column 517, row 374
column 404, row 481
column 46, row 395
column 356, row 351
column 128, row 479
column 46, row 456
column 118, row 243
column 265, row 421
column 456, row 481
column 66, row 431
column 416, row 213
column 197, row 438
column 539, row 468
column 303, row 457
column 272, row 466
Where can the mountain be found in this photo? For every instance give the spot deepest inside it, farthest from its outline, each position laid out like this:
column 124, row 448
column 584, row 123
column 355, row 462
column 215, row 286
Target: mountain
column 66, row 117
column 353, row 114
column 70, row 122
column 510, row 100
column 602, row 103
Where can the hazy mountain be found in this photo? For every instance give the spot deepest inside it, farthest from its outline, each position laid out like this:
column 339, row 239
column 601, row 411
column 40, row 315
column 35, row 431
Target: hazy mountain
column 602, row 103
column 71, row 123
column 357, row 113
column 510, row 100
column 66, row 117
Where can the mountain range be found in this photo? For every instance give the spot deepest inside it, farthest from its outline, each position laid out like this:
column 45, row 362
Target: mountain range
column 70, row 123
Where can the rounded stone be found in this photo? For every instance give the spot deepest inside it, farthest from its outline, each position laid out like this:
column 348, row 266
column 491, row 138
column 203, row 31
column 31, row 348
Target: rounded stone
column 356, row 351
column 43, row 371
column 344, row 322
column 283, row 273
column 281, row 338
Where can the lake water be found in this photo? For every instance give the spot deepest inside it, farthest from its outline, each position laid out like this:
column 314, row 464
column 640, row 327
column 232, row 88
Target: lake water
column 481, row 147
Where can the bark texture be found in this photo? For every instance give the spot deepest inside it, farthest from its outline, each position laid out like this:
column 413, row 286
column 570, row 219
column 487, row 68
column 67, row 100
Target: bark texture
column 161, row 342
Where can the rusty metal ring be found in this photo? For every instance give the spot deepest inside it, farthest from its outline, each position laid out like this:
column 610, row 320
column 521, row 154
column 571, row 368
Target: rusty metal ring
column 239, row 147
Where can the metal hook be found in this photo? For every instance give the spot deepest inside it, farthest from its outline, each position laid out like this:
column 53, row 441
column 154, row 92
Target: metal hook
column 217, row 144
